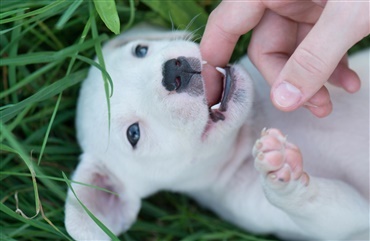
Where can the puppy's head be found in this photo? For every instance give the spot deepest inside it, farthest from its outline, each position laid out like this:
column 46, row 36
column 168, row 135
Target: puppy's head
column 162, row 134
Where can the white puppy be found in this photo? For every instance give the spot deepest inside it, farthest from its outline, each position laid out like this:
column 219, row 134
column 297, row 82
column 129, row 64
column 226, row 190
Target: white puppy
column 162, row 135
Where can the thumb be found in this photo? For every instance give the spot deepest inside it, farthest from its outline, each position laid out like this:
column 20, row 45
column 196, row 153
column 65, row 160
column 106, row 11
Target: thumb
column 316, row 58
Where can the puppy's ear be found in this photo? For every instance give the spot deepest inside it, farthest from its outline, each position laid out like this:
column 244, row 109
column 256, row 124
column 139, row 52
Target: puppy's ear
column 117, row 212
column 146, row 32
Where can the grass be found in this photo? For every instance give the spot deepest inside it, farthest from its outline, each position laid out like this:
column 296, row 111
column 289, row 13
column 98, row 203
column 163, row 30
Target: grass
column 46, row 48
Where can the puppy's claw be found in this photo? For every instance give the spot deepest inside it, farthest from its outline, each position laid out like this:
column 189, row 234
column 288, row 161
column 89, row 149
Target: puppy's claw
column 264, row 131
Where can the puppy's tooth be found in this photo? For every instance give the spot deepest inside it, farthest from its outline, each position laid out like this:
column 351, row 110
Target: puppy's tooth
column 216, row 106
column 204, row 62
column 221, row 70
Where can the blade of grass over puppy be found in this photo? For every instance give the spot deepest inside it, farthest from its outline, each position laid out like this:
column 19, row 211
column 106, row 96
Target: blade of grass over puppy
column 91, row 215
column 108, row 84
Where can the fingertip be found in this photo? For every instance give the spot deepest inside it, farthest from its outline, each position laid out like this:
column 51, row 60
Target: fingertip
column 345, row 78
column 351, row 82
column 285, row 96
column 320, row 103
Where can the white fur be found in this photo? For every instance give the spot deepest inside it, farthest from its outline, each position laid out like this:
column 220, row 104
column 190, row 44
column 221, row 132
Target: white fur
column 217, row 167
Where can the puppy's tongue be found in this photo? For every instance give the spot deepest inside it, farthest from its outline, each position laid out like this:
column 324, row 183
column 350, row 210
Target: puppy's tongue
column 213, row 84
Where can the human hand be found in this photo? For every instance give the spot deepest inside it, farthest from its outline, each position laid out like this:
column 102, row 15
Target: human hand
column 296, row 45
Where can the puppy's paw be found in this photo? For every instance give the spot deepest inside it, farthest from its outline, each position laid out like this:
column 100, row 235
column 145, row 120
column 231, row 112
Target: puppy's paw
column 278, row 161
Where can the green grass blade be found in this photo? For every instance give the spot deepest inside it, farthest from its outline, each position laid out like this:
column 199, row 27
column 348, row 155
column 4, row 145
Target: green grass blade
column 14, row 144
column 49, row 128
column 12, row 12
column 108, row 84
column 36, row 223
column 30, row 78
column 108, row 13
column 132, row 15
column 51, row 56
column 91, row 215
column 68, row 14
column 44, row 94
column 13, row 52
column 181, row 13
column 47, row 8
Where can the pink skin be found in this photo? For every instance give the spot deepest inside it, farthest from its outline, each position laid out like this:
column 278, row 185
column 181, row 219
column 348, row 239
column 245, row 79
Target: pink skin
column 279, row 161
column 302, row 43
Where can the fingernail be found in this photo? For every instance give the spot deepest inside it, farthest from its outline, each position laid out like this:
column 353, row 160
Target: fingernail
column 286, row 95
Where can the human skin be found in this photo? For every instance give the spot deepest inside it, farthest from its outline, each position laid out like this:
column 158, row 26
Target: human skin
column 297, row 46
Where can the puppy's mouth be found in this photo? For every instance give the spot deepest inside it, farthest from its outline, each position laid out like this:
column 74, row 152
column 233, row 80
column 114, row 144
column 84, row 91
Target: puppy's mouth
column 224, row 95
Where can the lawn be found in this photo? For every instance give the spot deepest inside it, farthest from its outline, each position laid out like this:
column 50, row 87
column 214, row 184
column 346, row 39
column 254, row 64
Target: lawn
column 46, row 49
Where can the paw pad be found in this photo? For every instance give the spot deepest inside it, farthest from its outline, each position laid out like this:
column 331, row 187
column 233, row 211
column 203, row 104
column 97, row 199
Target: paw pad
column 278, row 160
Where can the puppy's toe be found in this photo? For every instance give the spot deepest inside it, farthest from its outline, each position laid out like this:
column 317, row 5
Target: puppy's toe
column 278, row 161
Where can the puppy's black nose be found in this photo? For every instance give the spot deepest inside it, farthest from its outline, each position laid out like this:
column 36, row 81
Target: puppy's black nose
column 177, row 74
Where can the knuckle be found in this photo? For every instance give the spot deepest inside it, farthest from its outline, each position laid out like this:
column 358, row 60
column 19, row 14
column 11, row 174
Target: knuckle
column 310, row 63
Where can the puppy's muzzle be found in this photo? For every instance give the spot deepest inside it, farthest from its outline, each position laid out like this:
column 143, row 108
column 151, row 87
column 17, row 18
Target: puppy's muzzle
column 177, row 73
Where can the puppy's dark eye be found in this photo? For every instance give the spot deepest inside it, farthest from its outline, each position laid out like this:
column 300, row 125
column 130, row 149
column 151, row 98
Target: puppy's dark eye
column 133, row 134
column 141, row 51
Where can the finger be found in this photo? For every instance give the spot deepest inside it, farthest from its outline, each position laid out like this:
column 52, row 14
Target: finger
column 213, row 84
column 320, row 104
column 316, row 57
column 225, row 25
column 297, row 10
column 269, row 50
column 344, row 77
column 272, row 43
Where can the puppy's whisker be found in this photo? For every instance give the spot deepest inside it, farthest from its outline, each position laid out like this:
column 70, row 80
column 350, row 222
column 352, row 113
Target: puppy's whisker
column 194, row 36
column 196, row 39
column 191, row 22
column 172, row 24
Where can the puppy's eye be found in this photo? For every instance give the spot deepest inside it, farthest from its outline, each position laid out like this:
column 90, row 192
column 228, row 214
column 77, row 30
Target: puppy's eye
column 133, row 134
column 141, row 51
